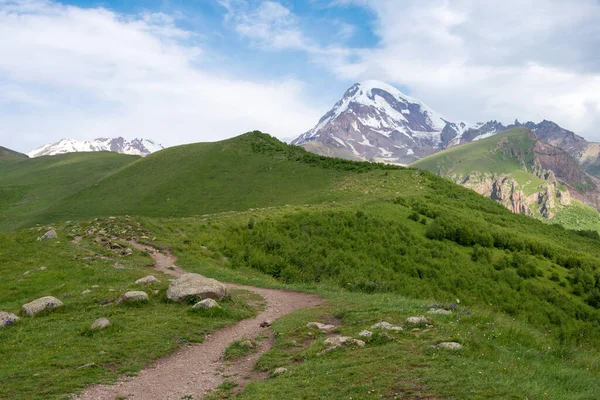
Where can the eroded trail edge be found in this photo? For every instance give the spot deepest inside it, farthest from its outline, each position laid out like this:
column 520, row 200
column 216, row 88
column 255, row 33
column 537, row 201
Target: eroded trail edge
column 192, row 371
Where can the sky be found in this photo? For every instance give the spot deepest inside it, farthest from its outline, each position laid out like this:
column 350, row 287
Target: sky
column 182, row 71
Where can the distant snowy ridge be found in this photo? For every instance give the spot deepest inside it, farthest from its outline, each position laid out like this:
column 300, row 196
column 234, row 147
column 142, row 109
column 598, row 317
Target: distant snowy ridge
column 138, row 147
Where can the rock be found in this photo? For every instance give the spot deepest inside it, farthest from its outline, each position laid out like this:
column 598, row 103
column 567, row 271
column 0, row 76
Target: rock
column 196, row 285
column 99, row 324
column 86, row 291
column 134, row 296
column 336, row 341
column 51, row 234
column 146, row 280
column 26, row 273
column 41, row 304
column 206, row 304
column 450, row 345
column 266, row 323
column 280, row 371
column 7, row 319
column 247, row 343
column 366, row 334
column 386, row 326
column 439, row 311
column 127, row 252
column 320, row 326
column 42, row 268
column 416, row 320
column 95, row 286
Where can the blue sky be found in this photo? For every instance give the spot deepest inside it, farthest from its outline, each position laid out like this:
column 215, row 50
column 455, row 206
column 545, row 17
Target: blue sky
column 188, row 71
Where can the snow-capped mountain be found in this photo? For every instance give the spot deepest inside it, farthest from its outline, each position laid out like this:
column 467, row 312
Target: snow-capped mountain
column 139, row 147
column 376, row 122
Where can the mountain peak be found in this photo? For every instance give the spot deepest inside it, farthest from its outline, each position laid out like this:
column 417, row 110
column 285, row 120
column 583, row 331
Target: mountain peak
column 138, row 146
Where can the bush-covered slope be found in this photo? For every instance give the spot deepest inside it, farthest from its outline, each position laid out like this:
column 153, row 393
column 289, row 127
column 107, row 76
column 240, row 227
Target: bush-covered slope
column 29, row 186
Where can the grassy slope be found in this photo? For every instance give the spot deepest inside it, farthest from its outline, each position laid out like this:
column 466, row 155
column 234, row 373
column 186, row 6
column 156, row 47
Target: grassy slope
column 202, row 178
column 29, row 186
column 10, row 154
column 392, row 242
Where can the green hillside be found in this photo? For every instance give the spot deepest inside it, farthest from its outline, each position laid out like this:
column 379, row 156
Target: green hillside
column 380, row 243
column 10, row 154
column 249, row 171
column 30, row 186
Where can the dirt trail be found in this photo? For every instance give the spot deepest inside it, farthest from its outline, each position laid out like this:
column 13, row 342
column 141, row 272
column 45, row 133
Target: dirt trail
column 192, row 371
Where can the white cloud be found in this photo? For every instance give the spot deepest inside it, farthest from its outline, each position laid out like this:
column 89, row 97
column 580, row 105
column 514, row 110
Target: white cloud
column 484, row 59
column 84, row 73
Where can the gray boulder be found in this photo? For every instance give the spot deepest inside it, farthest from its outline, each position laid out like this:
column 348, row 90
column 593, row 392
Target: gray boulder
column 196, row 285
column 134, row 296
column 206, row 304
column 41, row 304
column 7, row 319
column 450, row 345
column 51, row 234
column 386, row 326
column 147, row 279
column 99, row 324
column 416, row 320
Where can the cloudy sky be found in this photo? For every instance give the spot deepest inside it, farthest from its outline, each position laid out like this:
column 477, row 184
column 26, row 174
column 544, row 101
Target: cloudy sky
column 181, row 71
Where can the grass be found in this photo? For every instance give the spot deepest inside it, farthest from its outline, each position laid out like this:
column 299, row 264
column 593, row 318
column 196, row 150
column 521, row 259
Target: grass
column 239, row 348
column 54, row 354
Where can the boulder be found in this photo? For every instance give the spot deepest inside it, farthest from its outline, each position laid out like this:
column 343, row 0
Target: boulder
column 7, row 319
column 134, row 296
column 416, row 320
column 206, row 304
column 450, row 345
column 99, row 324
column 196, row 286
column 439, row 311
column 386, row 326
column 320, row 326
column 38, row 305
column 51, row 234
column 147, row 279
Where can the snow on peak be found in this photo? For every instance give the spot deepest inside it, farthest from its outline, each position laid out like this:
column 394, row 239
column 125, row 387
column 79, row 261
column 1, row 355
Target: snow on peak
column 140, row 147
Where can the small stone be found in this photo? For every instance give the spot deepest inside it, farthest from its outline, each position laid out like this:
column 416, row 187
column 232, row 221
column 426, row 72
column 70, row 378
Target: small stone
column 7, row 319
column 95, row 286
column 450, row 345
column 320, row 326
column 127, row 252
column 147, row 279
column 336, row 341
column 41, row 304
column 266, row 323
column 99, row 324
column 42, row 268
column 386, row 326
column 366, row 334
column 206, row 304
column 247, row 343
column 440, row 311
column 280, row 371
column 156, row 291
column 51, row 234
column 134, row 296
column 86, row 291
column 416, row 320
column 26, row 273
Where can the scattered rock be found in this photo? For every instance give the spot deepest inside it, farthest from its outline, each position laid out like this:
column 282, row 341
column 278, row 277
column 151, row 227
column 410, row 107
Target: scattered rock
column 127, row 252
column 196, row 285
column 7, row 319
column 439, row 311
column 206, row 304
column 51, row 234
column 416, row 320
column 86, row 291
column 41, row 304
column 118, row 265
column 450, row 345
column 320, row 326
column 280, row 371
column 99, row 324
column 337, row 341
column 366, row 334
column 134, row 296
column 386, row 326
column 146, row 280
column 266, row 323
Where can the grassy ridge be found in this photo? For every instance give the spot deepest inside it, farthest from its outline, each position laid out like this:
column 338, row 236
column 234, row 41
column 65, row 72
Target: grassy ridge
column 10, row 154
column 28, row 187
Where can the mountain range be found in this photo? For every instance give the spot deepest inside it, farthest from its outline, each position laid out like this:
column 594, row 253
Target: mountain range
column 375, row 121
column 138, row 147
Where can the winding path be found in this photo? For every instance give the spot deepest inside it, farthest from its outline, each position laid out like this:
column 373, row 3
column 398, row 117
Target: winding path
column 190, row 372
